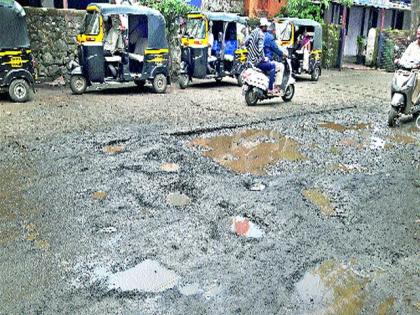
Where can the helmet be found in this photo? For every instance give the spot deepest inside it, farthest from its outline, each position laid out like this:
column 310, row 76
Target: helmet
column 264, row 22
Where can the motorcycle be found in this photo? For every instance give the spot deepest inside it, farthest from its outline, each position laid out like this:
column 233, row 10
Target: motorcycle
column 255, row 84
column 405, row 96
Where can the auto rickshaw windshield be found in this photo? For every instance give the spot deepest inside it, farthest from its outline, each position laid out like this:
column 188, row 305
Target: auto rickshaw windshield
column 284, row 31
column 196, row 28
column 91, row 23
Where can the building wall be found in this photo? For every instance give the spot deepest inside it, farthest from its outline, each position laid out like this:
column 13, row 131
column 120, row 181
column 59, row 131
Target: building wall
column 257, row 8
column 355, row 23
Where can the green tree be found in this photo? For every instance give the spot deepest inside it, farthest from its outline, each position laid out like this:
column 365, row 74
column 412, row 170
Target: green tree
column 307, row 9
column 171, row 10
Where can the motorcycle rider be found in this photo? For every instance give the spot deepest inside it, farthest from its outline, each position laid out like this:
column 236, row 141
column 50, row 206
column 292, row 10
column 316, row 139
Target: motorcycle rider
column 412, row 55
column 271, row 49
column 255, row 45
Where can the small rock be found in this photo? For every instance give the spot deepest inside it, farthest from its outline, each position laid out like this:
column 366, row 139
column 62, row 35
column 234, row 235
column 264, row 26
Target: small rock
column 99, row 195
column 243, row 227
column 148, row 276
column 170, row 167
column 108, row 230
column 113, row 149
column 190, row 289
column 257, row 187
column 178, row 199
column 8, row 113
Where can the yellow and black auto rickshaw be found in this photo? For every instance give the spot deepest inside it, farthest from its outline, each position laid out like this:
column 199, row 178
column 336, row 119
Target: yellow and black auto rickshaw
column 212, row 47
column 119, row 44
column 303, row 37
column 16, row 61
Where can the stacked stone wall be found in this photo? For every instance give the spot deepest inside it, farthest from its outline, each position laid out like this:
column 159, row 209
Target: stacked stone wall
column 52, row 33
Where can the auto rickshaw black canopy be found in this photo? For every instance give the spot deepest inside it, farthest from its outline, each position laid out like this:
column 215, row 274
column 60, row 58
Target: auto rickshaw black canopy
column 14, row 33
column 155, row 20
column 317, row 39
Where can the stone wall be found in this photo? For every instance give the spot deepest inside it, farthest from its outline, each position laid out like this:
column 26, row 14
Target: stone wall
column 224, row 5
column 52, row 33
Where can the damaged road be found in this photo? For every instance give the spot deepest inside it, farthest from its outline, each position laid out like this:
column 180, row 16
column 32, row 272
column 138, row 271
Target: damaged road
column 310, row 207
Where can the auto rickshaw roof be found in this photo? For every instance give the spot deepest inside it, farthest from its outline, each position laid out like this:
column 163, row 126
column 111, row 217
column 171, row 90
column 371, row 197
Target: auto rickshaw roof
column 109, row 9
column 223, row 16
column 302, row 22
column 14, row 33
column 155, row 20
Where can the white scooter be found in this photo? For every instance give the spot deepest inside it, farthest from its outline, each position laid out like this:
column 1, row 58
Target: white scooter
column 255, row 84
column 403, row 91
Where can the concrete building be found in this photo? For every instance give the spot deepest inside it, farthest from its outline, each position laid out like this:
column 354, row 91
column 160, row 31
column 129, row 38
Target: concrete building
column 364, row 15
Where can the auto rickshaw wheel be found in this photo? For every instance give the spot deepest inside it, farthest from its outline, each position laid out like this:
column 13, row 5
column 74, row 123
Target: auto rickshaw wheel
column 183, row 81
column 160, row 82
column 78, row 84
column 316, row 73
column 20, row 91
column 289, row 93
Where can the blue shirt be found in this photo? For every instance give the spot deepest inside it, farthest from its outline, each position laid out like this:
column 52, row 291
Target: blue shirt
column 270, row 47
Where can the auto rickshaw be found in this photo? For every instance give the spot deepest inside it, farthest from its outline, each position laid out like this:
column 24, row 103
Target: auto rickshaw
column 16, row 61
column 212, row 47
column 303, row 37
column 119, row 44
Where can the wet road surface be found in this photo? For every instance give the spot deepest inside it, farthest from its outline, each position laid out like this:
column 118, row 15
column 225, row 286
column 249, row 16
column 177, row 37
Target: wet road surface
column 125, row 203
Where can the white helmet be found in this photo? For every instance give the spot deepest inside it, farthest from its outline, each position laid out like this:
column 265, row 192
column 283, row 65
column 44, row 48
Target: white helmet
column 264, row 22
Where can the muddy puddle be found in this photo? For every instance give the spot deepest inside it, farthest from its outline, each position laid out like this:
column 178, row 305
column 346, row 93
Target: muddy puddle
column 402, row 139
column 333, row 288
column 16, row 208
column 320, row 200
column 250, row 151
column 342, row 128
column 113, row 149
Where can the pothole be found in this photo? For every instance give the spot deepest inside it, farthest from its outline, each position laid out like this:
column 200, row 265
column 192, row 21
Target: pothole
column 320, row 200
column 342, row 128
column 250, row 151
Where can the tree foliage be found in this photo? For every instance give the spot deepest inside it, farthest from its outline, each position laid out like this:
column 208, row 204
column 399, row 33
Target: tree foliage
column 307, row 9
column 171, row 10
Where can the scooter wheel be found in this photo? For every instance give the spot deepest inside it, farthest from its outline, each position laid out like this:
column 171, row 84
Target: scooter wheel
column 290, row 92
column 20, row 91
column 392, row 117
column 251, row 97
column 78, row 84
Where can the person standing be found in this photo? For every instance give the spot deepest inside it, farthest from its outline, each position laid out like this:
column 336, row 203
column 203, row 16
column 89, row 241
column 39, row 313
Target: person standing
column 255, row 45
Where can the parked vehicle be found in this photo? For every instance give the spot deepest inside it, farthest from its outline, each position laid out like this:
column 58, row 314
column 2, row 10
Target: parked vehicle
column 16, row 61
column 405, row 97
column 292, row 33
column 255, row 87
column 211, row 47
column 108, row 55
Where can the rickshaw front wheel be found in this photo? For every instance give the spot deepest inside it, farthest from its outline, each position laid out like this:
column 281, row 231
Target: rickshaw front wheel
column 183, row 81
column 316, row 73
column 160, row 82
column 78, row 84
column 20, row 91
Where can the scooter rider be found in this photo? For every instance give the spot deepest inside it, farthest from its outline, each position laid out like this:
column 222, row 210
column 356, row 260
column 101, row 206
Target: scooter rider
column 255, row 45
column 412, row 55
column 271, row 49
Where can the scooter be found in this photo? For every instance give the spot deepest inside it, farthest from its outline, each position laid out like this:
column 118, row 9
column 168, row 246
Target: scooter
column 255, row 84
column 405, row 97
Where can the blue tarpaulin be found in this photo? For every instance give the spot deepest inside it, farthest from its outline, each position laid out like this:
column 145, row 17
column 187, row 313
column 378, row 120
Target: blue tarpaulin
column 196, row 3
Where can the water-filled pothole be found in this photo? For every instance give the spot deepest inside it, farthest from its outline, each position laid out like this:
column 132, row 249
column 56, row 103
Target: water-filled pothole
column 250, row 151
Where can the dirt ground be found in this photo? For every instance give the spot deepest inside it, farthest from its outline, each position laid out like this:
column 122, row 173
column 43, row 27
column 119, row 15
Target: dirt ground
column 121, row 186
